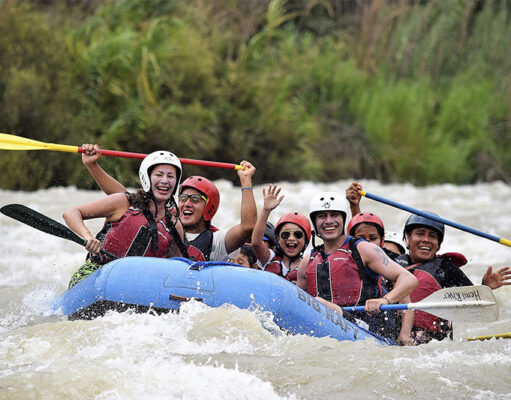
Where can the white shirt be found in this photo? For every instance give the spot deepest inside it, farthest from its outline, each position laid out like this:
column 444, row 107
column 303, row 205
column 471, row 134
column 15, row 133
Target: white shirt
column 218, row 250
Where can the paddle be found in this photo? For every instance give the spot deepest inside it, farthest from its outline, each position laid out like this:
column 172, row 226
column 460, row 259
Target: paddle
column 462, row 303
column 13, row 142
column 39, row 221
column 488, row 337
column 434, row 217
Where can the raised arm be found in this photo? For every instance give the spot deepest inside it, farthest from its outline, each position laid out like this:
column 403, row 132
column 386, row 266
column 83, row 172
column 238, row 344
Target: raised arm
column 90, row 159
column 240, row 233
column 271, row 201
column 353, row 196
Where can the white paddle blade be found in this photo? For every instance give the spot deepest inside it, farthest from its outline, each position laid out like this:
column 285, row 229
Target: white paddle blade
column 462, row 304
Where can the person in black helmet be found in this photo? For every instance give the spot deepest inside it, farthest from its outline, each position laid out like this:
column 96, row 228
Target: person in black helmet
column 423, row 237
column 269, row 236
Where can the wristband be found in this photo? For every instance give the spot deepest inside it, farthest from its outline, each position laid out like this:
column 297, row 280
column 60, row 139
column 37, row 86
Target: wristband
column 247, row 188
column 388, row 301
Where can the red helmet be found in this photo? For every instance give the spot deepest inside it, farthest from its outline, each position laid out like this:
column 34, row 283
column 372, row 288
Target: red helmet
column 298, row 219
column 208, row 189
column 368, row 218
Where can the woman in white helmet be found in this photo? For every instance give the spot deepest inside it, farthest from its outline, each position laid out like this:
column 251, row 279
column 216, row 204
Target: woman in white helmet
column 137, row 224
column 345, row 271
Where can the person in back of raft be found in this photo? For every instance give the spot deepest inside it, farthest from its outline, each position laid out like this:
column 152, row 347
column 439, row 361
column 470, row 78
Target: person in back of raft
column 344, row 271
column 423, row 237
column 137, row 224
column 198, row 202
column 292, row 235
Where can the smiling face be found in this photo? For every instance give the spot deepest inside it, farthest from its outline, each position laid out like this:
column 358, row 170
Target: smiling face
column 163, row 181
column 368, row 232
column 191, row 210
column 423, row 244
column 330, row 224
column 292, row 246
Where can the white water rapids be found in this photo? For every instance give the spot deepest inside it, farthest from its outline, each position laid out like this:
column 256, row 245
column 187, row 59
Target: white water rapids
column 225, row 353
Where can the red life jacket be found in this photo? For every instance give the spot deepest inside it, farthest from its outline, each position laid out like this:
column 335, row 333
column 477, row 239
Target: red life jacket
column 427, row 285
column 433, row 275
column 133, row 235
column 341, row 277
column 275, row 266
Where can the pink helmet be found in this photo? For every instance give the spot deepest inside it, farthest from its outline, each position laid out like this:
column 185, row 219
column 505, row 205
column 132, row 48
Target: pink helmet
column 208, row 189
column 367, row 218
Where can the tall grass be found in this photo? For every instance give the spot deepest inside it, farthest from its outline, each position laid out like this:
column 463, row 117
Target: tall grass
column 414, row 91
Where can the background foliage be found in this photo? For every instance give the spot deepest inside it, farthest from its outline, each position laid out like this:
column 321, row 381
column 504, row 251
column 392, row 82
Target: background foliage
column 322, row 90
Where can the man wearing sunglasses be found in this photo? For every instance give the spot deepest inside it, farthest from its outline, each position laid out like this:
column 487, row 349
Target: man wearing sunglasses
column 198, row 202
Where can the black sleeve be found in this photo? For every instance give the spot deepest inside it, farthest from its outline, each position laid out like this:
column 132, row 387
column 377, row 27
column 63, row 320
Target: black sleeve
column 450, row 275
column 391, row 254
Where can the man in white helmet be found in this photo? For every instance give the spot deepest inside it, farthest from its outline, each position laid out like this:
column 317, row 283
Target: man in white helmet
column 137, row 224
column 345, row 271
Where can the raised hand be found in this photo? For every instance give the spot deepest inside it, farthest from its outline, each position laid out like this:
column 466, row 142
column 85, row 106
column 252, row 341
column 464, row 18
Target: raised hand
column 91, row 155
column 271, row 198
column 353, row 193
column 494, row 280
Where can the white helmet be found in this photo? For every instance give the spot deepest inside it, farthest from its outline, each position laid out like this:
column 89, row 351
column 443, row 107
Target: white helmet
column 394, row 237
column 155, row 158
column 328, row 201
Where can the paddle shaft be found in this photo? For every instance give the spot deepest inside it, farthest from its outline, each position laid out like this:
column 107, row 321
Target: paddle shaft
column 13, row 142
column 417, row 306
column 434, row 217
column 187, row 161
column 45, row 224
column 488, row 337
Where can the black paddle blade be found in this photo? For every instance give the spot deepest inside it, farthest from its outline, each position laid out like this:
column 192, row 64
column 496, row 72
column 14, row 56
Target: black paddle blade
column 39, row 221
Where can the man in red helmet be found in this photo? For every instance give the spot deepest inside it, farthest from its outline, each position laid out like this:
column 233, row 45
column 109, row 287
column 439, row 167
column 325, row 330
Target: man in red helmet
column 198, row 201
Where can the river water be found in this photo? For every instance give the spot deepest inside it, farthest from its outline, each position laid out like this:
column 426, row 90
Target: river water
column 225, row 353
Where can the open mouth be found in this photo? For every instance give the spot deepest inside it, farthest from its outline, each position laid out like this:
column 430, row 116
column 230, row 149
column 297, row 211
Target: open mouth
column 163, row 189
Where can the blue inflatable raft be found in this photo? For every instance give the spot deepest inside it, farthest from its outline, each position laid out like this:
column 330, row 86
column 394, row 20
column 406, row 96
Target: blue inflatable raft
column 144, row 283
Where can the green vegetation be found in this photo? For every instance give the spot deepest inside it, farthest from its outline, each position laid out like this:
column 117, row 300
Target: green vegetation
column 414, row 91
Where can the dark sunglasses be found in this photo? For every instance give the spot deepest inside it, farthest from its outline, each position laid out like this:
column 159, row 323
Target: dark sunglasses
column 194, row 198
column 284, row 235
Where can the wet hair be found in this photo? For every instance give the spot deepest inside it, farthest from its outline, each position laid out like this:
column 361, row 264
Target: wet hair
column 140, row 200
column 248, row 250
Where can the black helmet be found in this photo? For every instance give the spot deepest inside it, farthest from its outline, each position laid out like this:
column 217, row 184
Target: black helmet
column 417, row 220
column 269, row 234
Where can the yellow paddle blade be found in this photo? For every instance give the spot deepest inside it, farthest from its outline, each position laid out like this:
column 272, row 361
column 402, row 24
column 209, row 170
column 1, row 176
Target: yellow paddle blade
column 13, row 142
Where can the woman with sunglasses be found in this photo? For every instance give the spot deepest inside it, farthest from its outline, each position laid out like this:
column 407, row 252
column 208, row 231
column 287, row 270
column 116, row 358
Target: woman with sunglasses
column 292, row 235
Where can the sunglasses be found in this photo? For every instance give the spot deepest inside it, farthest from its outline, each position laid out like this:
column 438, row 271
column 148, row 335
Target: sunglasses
column 194, row 198
column 284, row 235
